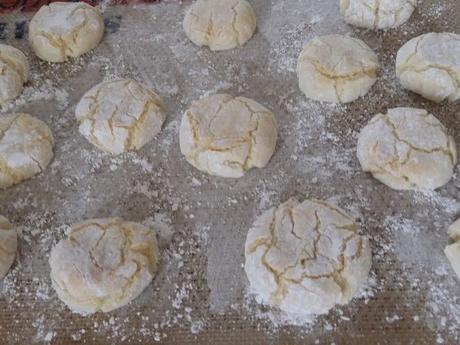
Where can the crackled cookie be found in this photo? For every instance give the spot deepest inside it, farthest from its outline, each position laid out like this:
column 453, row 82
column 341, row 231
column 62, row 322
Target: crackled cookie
column 305, row 258
column 430, row 66
column 8, row 245
column 26, row 148
column 226, row 136
column 103, row 264
column 220, row 24
column 62, row 30
column 337, row 69
column 377, row 14
column 120, row 115
column 14, row 72
column 452, row 251
column 407, row 148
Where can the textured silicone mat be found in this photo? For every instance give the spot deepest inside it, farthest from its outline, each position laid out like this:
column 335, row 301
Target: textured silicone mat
column 199, row 295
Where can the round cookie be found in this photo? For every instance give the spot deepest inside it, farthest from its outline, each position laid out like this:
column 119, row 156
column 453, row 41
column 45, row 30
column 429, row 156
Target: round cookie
column 337, row 69
column 220, row 24
column 120, row 115
column 452, row 251
column 407, row 148
column 377, row 14
column 61, row 30
column 103, row 264
column 226, row 136
column 304, row 258
column 8, row 245
column 26, row 148
column 430, row 66
column 14, row 72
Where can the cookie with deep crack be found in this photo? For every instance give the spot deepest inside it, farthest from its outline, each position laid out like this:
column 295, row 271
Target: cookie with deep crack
column 430, row 66
column 61, row 30
column 337, row 69
column 452, row 251
column 8, row 245
column 304, row 258
column 26, row 148
column 14, row 72
column 377, row 14
column 220, row 24
column 120, row 115
column 226, row 136
column 103, row 264
column 407, row 148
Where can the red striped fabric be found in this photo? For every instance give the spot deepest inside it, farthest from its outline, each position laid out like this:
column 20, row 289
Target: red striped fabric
column 34, row 5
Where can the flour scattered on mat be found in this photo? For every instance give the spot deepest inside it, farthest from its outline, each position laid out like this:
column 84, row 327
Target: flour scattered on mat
column 202, row 221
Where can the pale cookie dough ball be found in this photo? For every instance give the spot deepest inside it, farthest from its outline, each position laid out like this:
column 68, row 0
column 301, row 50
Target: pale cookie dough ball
column 305, row 258
column 452, row 251
column 226, row 136
column 407, row 148
column 61, row 30
column 26, row 148
column 120, row 115
column 8, row 245
column 336, row 69
column 430, row 66
column 220, row 24
column 377, row 14
column 14, row 72
column 103, row 264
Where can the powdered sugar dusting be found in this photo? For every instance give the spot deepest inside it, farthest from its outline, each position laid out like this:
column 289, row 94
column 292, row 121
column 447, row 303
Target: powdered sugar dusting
column 200, row 290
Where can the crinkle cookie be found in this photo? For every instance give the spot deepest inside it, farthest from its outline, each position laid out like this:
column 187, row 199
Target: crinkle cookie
column 337, row 69
column 452, row 251
column 120, row 115
column 407, row 148
column 220, row 24
column 377, row 14
column 103, row 264
column 430, row 66
column 8, row 245
column 14, row 72
column 226, row 136
column 305, row 258
column 61, row 30
column 26, row 148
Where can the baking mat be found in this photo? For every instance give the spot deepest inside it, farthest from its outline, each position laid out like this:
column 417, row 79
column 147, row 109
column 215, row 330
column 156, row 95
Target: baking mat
column 199, row 295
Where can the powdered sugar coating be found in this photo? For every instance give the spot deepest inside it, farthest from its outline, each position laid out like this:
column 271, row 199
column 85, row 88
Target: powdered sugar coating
column 104, row 264
column 407, row 148
column 26, row 148
column 62, row 30
column 305, row 258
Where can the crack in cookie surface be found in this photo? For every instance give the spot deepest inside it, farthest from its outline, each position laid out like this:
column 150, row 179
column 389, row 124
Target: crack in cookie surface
column 120, row 115
column 306, row 249
column 26, row 148
column 104, row 264
column 407, row 149
column 227, row 136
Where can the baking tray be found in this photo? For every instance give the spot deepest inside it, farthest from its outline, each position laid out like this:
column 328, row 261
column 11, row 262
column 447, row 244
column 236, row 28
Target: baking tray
column 200, row 293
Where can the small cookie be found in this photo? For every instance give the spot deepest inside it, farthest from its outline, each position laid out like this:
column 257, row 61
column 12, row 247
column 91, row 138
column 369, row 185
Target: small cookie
column 337, row 69
column 14, row 72
column 120, row 115
column 226, row 136
column 430, row 66
column 304, row 258
column 8, row 245
column 61, row 30
column 26, row 148
column 103, row 264
column 407, row 148
column 377, row 14
column 220, row 24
